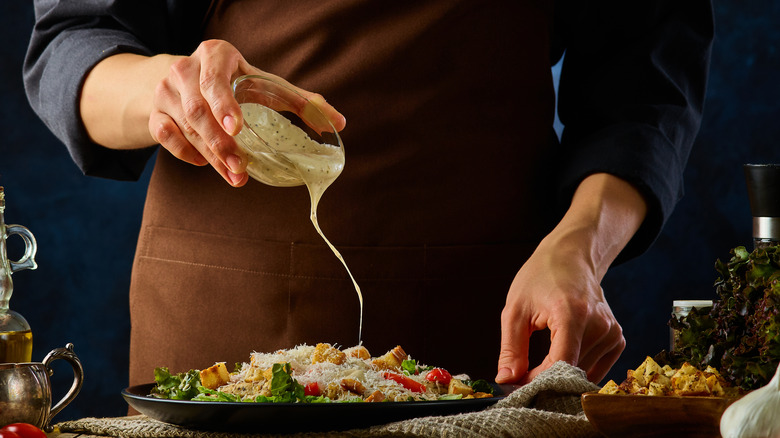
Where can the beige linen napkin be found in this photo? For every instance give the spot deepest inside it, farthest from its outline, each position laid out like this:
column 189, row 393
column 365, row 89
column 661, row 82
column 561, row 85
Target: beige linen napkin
column 549, row 406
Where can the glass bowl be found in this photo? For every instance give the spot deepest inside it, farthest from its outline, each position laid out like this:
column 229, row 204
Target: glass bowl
column 287, row 139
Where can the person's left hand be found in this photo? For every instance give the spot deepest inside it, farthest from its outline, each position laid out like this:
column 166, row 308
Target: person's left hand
column 559, row 288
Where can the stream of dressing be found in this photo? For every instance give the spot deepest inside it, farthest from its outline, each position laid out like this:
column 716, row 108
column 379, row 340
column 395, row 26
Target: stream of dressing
column 297, row 159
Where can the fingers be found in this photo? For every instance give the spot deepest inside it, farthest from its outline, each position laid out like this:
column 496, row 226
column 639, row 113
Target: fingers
column 194, row 111
column 307, row 108
column 220, row 63
column 179, row 123
column 565, row 343
column 196, row 115
column 513, row 358
column 593, row 343
column 582, row 329
column 336, row 118
column 603, row 353
column 281, row 96
column 564, row 346
column 165, row 131
column 602, row 341
column 197, row 120
column 601, row 367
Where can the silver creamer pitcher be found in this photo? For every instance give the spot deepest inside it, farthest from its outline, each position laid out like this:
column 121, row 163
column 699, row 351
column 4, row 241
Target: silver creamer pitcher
column 25, row 389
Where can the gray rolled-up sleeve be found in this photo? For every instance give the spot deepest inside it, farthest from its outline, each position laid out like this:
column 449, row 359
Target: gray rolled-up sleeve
column 68, row 39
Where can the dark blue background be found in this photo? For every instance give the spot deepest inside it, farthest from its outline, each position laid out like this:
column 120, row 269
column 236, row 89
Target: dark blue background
column 87, row 227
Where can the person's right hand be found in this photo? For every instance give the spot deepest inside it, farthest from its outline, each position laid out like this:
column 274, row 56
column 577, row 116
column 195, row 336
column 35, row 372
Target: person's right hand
column 195, row 116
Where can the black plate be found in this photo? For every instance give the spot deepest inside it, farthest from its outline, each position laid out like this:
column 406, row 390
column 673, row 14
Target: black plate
column 292, row 417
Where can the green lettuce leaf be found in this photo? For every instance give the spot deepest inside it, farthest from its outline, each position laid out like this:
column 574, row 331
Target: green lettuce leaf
column 182, row 386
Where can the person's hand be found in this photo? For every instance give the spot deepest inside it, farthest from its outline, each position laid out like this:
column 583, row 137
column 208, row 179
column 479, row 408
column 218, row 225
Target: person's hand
column 195, row 116
column 558, row 288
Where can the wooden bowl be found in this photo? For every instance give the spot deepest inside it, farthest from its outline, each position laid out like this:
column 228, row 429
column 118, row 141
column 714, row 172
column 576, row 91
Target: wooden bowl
column 655, row 416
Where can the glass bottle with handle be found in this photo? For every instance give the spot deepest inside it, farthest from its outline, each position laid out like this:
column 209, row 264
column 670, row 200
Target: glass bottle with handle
column 15, row 332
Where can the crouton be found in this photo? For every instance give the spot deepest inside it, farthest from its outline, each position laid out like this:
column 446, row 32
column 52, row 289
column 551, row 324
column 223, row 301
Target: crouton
column 353, row 386
column 215, row 376
column 359, row 352
column 391, row 360
column 689, row 381
column 327, row 353
column 458, row 387
column 645, row 372
column 376, row 396
column 611, row 388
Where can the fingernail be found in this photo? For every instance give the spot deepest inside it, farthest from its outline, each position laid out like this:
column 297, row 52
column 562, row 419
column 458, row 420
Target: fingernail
column 229, row 124
column 504, row 375
column 235, row 178
column 234, row 163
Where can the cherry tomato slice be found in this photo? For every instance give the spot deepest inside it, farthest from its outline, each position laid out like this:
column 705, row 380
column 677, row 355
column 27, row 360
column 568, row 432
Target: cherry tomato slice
column 312, row 388
column 439, row 375
column 23, row 430
column 406, row 382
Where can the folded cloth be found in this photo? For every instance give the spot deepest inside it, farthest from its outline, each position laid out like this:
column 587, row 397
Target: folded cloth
column 549, row 406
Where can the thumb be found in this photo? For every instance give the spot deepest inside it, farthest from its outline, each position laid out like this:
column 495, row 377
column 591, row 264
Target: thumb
column 513, row 359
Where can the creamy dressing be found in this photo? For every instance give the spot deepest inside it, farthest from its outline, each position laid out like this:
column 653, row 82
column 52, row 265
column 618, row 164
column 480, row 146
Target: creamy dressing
column 286, row 156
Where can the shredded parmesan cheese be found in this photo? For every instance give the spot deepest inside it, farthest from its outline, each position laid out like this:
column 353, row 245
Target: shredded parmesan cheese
column 339, row 375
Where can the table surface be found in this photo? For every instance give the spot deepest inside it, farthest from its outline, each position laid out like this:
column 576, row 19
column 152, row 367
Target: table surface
column 70, row 435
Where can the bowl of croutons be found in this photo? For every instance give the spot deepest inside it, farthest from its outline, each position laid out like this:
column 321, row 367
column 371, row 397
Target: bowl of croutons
column 661, row 401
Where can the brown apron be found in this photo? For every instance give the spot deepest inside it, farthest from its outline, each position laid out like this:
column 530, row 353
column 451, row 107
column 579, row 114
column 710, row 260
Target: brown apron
column 444, row 195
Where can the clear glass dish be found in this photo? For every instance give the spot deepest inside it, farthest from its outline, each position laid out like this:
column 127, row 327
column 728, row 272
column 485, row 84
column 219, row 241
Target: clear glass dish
column 288, row 140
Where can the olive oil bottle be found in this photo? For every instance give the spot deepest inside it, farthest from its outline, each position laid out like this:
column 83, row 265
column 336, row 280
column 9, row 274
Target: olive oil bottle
column 15, row 333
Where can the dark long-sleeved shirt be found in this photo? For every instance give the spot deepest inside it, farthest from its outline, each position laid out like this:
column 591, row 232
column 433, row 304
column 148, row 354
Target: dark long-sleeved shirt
column 631, row 94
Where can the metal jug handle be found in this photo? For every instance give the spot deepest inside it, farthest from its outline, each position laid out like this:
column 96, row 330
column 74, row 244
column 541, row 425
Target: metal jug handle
column 30, row 248
column 78, row 378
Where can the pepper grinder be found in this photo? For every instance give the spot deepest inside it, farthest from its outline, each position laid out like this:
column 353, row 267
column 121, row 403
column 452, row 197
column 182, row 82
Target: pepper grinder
column 763, row 185
column 15, row 333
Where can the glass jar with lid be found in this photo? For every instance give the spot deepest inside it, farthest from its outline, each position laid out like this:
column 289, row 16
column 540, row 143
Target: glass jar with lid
column 680, row 309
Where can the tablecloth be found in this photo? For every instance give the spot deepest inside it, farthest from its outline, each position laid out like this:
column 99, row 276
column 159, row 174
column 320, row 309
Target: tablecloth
column 549, row 406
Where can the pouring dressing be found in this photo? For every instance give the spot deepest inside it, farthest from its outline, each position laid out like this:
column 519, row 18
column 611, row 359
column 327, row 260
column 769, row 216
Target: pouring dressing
column 283, row 154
